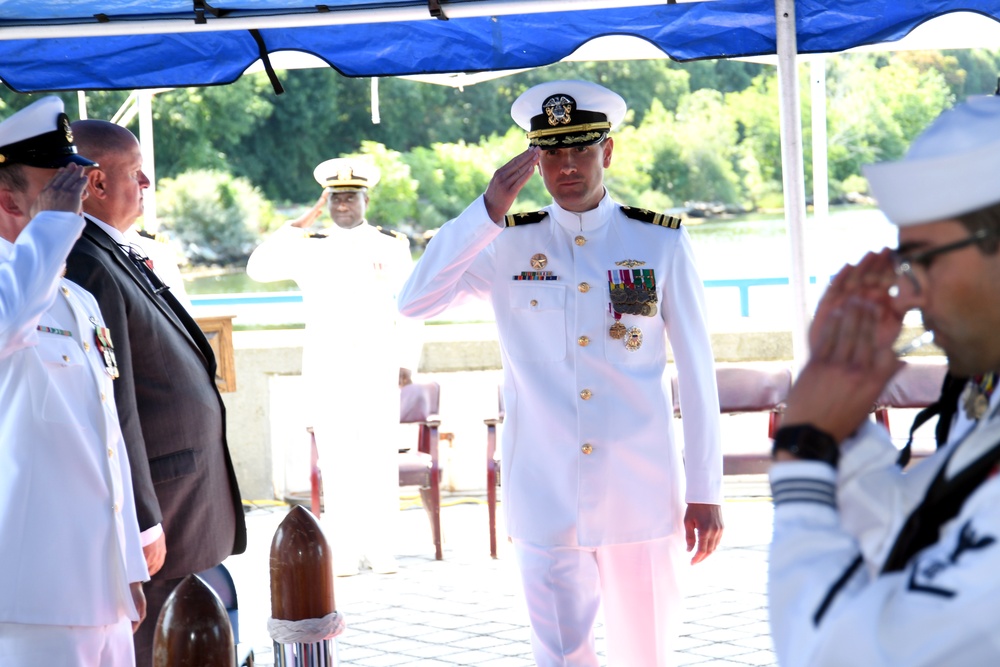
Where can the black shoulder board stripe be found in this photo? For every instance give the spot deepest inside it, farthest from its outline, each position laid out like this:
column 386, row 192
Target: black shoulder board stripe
column 389, row 232
column 652, row 217
column 518, row 219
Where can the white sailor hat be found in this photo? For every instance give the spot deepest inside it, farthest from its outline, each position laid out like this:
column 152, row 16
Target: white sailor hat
column 951, row 169
column 346, row 174
column 39, row 136
column 561, row 114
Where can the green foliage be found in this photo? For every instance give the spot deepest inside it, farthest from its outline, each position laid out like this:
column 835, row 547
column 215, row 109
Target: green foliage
column 393, row 202
column 702, row 131
column 876, row 106
column 216, row 217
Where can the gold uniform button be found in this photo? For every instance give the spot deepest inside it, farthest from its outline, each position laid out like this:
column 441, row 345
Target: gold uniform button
column 534, row 303
column 115, row 507
column 111, row 453
column 586, row 394
column 583, row 341
column 586, row 449
column 66, row 358
column 580, row 240
column 65, row 290
column 583, row 287
column 103, row 397
column 86, row 346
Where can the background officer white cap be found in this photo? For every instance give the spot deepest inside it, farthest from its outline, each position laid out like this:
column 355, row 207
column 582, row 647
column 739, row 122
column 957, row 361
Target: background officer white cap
column 563, row 114
column 951, row 169
column 347, row 174
column 39, row 135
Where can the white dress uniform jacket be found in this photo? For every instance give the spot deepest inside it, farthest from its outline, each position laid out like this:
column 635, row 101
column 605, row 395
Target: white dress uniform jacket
column 941, row 609
column 588, row 447
column 70, row 542
column 355, row 343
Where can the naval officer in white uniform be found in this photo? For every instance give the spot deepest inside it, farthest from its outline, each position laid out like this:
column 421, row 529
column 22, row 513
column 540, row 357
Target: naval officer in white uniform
column 71, row 564
column 358, row 350
column 598, row 499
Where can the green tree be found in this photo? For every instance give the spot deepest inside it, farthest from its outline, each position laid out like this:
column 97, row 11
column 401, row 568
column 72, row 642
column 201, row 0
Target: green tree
column 217, row 218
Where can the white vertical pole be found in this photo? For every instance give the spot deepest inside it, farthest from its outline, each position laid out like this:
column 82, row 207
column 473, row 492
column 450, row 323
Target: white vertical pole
column 793, row 173
column 376, row 114
column 145, row 102
column 81, row 99
column 821, row 177
column 819, row 266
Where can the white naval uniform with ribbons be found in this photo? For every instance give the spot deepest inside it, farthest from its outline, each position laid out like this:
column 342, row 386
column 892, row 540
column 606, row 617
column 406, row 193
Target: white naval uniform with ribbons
column 941, row 609
column 589, row 458
column 355, row 343
column 70, row 542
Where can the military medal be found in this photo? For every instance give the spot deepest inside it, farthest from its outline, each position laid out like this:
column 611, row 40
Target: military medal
column 102, row 337
column 633, row 290
column 538, row 261
column 977, row 396
column 617, row 330
column 633, row 339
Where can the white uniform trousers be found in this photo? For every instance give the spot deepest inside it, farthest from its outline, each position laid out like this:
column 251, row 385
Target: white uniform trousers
column 638, row 583
column 30, row 645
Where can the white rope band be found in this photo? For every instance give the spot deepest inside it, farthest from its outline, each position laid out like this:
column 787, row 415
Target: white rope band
column 308, row 631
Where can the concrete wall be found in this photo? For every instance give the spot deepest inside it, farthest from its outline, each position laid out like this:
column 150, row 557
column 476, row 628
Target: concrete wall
column 266, row 433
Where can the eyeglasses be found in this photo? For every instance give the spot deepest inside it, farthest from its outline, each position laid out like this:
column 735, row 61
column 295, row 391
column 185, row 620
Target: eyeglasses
column 910, row 265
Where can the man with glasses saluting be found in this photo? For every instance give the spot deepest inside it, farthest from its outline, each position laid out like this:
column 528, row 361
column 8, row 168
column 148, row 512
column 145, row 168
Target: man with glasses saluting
column 871, row 565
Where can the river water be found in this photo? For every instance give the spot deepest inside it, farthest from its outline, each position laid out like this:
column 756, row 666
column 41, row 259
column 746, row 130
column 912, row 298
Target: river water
column 726, row 250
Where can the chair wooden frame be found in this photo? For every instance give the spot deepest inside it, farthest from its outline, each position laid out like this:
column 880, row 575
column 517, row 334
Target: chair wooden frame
column 419, row 404
column 916, row 385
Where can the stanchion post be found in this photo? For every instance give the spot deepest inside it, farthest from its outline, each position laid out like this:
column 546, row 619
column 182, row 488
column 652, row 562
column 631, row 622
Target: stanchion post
column 304, row 618
column 193, row 629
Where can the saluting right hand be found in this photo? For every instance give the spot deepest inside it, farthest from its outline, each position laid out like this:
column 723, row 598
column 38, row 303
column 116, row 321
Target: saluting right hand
column 309, row 217
column 508, row 181
column 65, row 192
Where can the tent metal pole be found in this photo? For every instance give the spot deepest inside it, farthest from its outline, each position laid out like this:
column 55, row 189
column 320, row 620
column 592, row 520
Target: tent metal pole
column 81, row 100
column 417, row 12
column 820, row 159
column 144, row 100
column 793, row 173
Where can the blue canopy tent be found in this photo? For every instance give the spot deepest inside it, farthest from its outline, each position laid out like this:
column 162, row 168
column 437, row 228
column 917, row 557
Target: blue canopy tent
column 128, row 44
column 50, row 45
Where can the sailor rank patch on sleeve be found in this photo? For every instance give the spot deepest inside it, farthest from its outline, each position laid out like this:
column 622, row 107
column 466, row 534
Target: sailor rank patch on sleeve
column 530, row 218
column 652, row 217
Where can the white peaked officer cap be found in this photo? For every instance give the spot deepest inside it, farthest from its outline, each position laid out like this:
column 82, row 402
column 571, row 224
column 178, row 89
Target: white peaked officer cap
column 563, row 114
column 39, row 136
column 951, row 169
column 347, row 174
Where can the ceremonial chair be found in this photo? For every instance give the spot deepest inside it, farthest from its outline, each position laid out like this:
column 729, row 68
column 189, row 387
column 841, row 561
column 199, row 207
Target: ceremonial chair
column 493, row 469
column 419, row 405
column 748, row 388
column 915, row 386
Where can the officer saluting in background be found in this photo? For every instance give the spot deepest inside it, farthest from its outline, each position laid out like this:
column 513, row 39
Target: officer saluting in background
column 357, row 353
column 598, row 500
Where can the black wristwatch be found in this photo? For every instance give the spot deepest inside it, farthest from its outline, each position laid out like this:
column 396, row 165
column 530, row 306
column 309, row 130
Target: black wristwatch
column 807, row 442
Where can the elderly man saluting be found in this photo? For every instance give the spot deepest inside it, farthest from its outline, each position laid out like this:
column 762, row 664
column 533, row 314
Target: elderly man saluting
column 71, row 563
